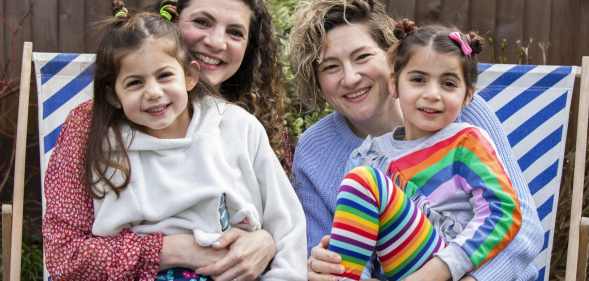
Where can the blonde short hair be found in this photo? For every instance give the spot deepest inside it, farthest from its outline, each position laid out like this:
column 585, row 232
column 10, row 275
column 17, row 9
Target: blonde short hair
column 313, row 19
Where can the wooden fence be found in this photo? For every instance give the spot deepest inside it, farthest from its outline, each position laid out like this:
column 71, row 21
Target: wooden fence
column 556, row 25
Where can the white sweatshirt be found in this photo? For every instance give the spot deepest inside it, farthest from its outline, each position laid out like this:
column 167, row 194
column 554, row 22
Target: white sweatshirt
column 176, row 185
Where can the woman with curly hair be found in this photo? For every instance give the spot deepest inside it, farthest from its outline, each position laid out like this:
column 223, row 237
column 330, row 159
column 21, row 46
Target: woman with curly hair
column 338, row 53
column 233, row 43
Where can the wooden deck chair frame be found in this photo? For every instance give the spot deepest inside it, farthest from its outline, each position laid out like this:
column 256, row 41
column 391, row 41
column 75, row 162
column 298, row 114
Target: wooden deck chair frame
column 12, row 216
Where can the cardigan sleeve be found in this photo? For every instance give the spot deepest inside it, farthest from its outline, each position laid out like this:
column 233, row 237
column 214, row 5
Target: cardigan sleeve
column 71, row 251
column 515, row 260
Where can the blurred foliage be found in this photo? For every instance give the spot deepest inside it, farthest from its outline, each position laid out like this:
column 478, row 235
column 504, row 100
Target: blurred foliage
column 298, row 117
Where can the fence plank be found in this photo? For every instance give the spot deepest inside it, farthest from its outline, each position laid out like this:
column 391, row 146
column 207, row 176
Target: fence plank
column 428, row 11
column 399, row 9
column 563, row 40
column 17, row 30
column 581, row 36
column 455, row 12
column 537, row 28
column 45, row 27
column 95, row 12
column 2, row 40
column 509, row 29
column 482, row 19
column 71, row 25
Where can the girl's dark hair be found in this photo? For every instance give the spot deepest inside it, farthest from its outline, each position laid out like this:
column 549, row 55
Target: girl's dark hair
column 436, row 37
column 258, row 84
column 106, row 150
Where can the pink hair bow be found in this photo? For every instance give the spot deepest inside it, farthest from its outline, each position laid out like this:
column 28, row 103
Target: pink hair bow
column 466, row 50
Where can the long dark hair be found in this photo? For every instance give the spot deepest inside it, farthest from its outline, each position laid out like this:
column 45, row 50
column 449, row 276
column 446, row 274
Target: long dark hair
column 123, row 35
column 258, row 84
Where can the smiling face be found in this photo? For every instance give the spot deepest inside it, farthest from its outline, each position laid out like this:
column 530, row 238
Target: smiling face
column 353, row 73
column 431, row 91
column 152, row 89
column 217, row 33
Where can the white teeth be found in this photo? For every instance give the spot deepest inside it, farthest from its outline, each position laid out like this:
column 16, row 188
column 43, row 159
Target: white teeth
column 356, row 94
column 429, row 110
column 156, row 109
column 207, row 59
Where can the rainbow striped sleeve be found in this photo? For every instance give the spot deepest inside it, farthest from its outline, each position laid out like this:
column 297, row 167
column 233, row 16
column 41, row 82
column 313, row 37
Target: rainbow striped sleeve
column 469, row 159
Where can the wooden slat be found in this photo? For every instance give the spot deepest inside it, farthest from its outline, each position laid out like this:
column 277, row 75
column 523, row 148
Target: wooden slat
column 582, row 37
column 71, row 25
column 579, row 172
column 17, row 30
column 456, row 13
column 583, row 249
column 482, row 19
column 45, row 27
column 537, row 27
column 399, row 9
column 19, row 163
column 3, row 40
column 428, row 11
column 509, row 27
column 563, row 34
column 6, row 234
column 95, row 11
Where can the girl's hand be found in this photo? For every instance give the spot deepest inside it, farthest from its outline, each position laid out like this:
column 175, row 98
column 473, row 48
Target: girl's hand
column 249, row 253
column 180, row 250
column 322, row 263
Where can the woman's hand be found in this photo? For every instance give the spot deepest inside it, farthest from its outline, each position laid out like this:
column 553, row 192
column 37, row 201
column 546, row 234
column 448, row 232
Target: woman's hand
column 323, row 263
column 433, row 270
column 249, row 253
column 180, row 250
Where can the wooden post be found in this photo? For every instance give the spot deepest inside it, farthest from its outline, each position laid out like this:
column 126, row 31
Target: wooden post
column 583, row 249
column 6, row 234
column 19, row 165
column 578, row 174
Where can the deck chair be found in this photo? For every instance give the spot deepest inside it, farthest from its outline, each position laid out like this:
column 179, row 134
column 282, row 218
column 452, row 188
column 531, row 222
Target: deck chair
column 533, row 104
column 64, row 80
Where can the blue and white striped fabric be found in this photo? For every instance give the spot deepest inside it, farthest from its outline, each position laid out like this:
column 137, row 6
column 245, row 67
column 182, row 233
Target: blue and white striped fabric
column 532, row 103
column 63, row 82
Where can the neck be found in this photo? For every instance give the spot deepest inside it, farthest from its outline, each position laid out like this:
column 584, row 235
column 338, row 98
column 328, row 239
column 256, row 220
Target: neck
column 382, row 122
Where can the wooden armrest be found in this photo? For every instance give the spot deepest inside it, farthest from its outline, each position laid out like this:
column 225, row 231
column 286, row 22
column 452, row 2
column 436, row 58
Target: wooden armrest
column 583, row 249
column 6, row 239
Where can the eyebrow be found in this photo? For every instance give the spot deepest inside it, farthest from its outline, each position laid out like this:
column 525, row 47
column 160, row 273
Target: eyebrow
column 452, row 74
column 353, row 53
column 210, row 17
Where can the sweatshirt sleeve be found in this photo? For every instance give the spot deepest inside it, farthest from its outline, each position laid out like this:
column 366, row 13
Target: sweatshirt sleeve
column 283, row 215
column 496, row 207
column 516, row 259
column 71, row 251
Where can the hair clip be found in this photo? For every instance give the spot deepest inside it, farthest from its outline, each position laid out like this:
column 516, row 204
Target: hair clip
column 165, row 11
column 122, row 13
column 464, row 47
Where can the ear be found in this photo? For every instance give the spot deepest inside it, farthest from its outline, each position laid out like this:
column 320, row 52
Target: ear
column 468, row 97
column 113, row 100
column 392, row 87
column 192, row 76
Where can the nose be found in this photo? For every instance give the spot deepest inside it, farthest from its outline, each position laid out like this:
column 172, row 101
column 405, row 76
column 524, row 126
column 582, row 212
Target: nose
column 432, row 93
column 216, row 39
column 153, row 91
column 351, row 75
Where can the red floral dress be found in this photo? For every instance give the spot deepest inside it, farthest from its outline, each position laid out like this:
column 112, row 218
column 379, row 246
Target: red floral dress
column 71, row 251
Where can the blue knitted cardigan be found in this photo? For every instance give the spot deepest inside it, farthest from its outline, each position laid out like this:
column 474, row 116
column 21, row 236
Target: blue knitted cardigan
column 319, row 166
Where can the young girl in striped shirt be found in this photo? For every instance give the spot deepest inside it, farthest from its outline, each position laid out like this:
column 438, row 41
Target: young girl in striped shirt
column 431, row 199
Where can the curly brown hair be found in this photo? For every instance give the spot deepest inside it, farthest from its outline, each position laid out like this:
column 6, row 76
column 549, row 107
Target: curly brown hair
column 313, row 19
column 258, row 84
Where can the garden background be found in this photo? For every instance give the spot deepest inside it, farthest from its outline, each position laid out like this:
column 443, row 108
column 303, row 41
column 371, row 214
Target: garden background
column 517, row 31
